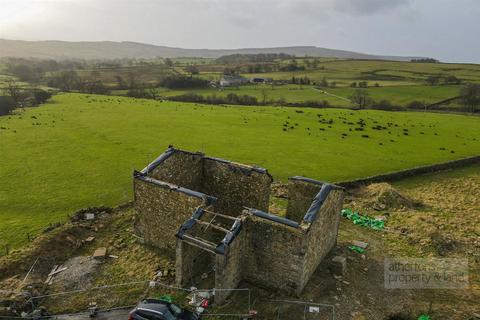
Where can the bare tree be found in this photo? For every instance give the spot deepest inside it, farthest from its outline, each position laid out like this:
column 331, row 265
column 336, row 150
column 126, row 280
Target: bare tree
column 132, row 80
column 361, row 98
column 470, row 96
column 14, row 91
column 264, row 95
column 192, row 69
column 433, row 80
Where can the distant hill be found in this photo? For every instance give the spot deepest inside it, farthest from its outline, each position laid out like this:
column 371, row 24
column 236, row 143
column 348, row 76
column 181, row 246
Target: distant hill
column 60, row 50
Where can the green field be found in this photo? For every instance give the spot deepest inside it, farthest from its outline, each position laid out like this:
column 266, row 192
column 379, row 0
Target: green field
column 80, row 150
column 399, row 95
column 346, row 71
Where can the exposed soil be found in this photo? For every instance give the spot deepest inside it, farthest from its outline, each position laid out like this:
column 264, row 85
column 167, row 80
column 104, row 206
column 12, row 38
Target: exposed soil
column 79, row 273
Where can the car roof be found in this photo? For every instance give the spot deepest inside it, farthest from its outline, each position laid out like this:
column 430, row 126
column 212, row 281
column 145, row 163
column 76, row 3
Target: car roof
column 154, row 305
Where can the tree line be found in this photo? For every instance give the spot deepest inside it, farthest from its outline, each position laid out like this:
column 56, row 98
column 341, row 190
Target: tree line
column 15, row 96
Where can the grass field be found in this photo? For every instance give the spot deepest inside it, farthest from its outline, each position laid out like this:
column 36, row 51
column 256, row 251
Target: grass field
column 80, row 150
column 346, row 71
column 398, row 95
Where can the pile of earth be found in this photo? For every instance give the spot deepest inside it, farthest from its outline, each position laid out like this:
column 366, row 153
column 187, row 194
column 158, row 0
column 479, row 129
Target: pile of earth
column 382, row 196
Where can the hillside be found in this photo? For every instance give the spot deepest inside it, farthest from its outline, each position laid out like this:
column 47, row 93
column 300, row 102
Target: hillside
column 116, row 50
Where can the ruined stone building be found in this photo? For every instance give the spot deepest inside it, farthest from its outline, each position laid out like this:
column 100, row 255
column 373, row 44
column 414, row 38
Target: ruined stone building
column 212, row 214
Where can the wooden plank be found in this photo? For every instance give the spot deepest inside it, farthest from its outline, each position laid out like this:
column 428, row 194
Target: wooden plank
column 100, row 253
column 58, row 271
column 50, row 274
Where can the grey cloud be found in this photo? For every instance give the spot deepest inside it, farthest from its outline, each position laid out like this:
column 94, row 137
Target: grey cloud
column 366, row 7
column 390, row 27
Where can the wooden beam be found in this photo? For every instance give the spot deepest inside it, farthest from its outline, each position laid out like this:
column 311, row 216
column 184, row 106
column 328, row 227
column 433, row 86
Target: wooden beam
column 221, row 215
column 200, row 247
column 212, row 225
column 202, row 243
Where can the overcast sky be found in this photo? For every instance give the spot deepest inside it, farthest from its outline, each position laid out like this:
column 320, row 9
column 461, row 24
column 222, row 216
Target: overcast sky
column 445, row 29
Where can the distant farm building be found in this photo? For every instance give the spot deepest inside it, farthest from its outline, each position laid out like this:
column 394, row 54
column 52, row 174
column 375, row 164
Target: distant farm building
column 261, row 80
column 232, row 81
column 212, row 214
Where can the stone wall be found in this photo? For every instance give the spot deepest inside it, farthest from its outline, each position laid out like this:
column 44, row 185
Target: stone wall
column 300, row 196
column 235, row 186
column 161, row 210
column 190, row 263
column 274, row 255
column 267, row 250
column 228, row 268
column 321, row 237
column 181, row 168
column 398, row 175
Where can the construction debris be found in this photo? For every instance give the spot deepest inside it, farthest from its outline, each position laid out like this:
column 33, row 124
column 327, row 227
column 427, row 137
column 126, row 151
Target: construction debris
column 200, row 299
column 360, row 244
column 90, row 239
column 100, row 253
column 56, row 269
column 79, row 273
column 338, row 265
column 362, row 220
column 356, row 249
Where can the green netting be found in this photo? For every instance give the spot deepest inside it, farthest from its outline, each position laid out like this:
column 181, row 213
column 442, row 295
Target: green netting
column 362, row 220
column 424, row 317
column 356, row 249
column 167, row 298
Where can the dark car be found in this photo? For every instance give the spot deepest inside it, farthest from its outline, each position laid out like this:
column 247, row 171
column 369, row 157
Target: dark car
column 154, row 309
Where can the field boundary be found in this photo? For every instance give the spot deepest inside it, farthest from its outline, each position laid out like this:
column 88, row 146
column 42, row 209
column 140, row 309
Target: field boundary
column 398, row 175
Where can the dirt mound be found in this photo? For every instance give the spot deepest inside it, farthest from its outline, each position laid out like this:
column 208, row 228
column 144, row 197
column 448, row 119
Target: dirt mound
column 382, row 196
column 79, row 273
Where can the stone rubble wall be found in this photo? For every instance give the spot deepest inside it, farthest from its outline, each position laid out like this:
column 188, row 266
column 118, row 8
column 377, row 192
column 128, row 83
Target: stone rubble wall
column 267, row 251
column 229, row 268
column 274, row 254
column 160, row 212
column 191, row 262
column 300, row 196
column 183, row 169
column 235, row 186
column 321, row 237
